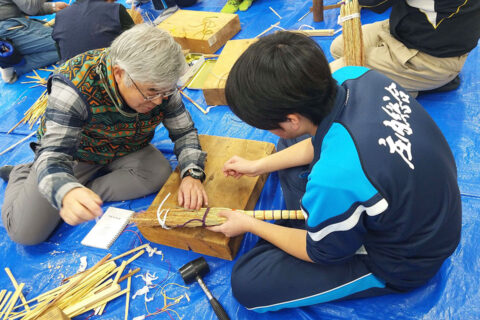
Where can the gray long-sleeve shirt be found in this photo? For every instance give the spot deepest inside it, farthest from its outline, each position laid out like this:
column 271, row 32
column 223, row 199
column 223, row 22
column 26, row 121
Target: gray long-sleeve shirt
column 19, row 8
column 67, row 113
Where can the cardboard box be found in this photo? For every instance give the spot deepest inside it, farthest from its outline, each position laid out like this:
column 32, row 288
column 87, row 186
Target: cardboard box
column 222, row 192
column 201, row 31
column 214, row 85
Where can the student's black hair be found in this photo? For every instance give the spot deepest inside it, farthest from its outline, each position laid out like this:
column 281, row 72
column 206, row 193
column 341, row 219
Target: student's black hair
column 281, row 74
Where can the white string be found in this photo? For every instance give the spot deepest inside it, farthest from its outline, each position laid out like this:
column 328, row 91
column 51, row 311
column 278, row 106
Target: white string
column 306, row 26
column 341, row 20
column 210, row 107
column 161, row 220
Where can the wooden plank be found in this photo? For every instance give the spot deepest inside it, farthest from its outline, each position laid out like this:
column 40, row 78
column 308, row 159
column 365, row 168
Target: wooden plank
column 222, row 192
column 214, row 85
column 201, row 31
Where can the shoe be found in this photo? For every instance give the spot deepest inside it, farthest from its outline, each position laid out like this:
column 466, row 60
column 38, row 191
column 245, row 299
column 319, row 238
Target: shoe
column 231, row 6
column 137, row 3
column 452, row 85
column 5, row 172
column 245, row 5
column 9, row 75
column 165, row 14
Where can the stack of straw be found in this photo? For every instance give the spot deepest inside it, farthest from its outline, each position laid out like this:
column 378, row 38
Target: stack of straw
column 180, row 217
column 352, row 33
column 34, row 112
column 85, row 291
column 38, row 108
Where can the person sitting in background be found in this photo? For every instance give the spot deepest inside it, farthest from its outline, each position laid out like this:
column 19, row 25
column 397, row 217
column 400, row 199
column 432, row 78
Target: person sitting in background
column 375, row 180
column 30, row 38
column 101, row 22
column 94, row 138
column 422, row 46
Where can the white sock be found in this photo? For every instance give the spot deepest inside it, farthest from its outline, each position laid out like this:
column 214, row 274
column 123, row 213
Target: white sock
column 8, row 75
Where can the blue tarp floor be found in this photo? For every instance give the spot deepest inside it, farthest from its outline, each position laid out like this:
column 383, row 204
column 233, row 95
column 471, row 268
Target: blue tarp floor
column 452, row 294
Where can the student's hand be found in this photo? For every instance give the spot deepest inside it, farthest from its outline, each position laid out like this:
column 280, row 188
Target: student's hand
column 59, row 6
column 237, row 223
column 192, row 194
column 80, row 205
column 237, row 166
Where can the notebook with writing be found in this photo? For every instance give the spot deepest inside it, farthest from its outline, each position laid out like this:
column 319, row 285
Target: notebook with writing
column 108, row 228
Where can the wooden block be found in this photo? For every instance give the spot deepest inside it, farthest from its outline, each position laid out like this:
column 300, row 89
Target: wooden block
column 201, row 31
column 222, row 192
column 214, row 85
column 54, row 313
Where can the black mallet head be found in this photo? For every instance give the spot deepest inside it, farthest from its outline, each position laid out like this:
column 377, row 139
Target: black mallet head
column 190, row 271
column 195, row 270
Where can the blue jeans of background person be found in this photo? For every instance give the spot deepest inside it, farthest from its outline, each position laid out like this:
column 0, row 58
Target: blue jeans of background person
column 33, row 40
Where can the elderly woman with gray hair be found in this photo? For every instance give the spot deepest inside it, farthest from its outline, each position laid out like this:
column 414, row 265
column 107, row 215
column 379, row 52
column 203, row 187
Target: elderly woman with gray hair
column 94, row 139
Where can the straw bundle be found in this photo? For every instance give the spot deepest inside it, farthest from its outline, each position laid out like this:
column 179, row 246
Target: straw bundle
column 206, row 217
column 352, row 33
column 136, row 15
column 34, row 112
column 83, row 291
column 38, row 108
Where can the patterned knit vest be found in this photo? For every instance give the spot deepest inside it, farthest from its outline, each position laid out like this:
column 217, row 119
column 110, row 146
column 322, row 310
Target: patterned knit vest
column 108, row 133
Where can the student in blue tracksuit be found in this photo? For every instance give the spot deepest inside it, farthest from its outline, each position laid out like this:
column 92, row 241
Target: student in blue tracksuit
column 376, row 181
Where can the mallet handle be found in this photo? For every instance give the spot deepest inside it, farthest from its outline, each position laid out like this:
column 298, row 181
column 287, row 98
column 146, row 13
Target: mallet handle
column 217, row 307
column 219, row 311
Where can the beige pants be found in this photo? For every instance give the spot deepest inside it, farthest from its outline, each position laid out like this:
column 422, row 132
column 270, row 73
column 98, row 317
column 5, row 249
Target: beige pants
column 30, row 219
column 412, row 69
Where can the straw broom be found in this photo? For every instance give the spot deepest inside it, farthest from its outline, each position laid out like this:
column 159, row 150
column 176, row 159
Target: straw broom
column 206, row 217
column 352, row 33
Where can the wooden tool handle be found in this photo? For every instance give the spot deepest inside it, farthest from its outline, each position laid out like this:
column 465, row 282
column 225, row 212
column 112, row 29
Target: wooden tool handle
column 275, row 214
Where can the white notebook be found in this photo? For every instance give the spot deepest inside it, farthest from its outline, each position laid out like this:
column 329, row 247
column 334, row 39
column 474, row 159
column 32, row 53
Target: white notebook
column 108, row 228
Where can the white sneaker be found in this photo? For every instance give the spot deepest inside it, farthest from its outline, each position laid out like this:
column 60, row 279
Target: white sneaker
column 9, row 75
column 165, row 14
column 137, row 2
